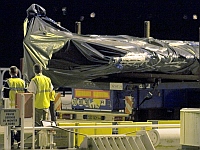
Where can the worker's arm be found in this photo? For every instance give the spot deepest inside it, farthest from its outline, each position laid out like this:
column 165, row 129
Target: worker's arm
column 32, row 87
column 52, row 95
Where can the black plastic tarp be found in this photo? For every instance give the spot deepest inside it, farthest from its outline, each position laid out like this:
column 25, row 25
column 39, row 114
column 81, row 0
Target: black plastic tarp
column 68, row 58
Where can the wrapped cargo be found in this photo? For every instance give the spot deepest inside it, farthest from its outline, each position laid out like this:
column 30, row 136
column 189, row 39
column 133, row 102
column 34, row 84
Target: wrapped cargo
column 69, row 58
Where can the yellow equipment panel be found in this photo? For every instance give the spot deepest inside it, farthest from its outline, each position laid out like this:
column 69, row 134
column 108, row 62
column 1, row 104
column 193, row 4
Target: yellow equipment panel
column 98, row 94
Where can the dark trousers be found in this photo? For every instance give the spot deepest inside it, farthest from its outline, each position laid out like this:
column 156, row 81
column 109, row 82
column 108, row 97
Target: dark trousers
column 40, row 114
column 16, row 136
column 52, row 111
column 12, row 138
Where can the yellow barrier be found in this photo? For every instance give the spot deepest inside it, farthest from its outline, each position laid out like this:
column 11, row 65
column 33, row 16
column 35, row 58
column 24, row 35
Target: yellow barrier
column 133, row 130
column 164, row 122
column 103, row 131
column 168, row 122
column 86, row 131
column 128, row 131
column 81, row 132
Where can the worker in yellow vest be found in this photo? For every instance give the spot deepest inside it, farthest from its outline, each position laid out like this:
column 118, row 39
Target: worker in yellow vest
column 13, row 86
column 41, row 86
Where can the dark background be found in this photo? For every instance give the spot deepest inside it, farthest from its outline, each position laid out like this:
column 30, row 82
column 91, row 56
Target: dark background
column 170, row 19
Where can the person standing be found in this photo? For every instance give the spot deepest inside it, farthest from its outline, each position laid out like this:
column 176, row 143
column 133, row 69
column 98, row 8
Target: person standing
column 13, row 86
column 41, row 86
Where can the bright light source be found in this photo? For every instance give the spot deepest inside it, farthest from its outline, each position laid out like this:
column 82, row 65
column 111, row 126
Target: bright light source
column 195, row 17
column 92, row 15
column 64, row 8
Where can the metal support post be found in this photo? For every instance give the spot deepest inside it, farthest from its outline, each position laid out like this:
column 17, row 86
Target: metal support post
column 2, row 72
column 51, row 143
column 70, row 140
column 7, row 129
column 78, row 27
column 147, row 29
column 22, row 112
column 33, row 123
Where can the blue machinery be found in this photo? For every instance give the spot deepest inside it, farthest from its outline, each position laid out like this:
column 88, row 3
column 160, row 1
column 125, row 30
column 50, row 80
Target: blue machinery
column 149, row 101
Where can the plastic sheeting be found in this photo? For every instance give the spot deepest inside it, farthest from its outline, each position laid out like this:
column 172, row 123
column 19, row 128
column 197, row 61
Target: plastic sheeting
column 69, row 58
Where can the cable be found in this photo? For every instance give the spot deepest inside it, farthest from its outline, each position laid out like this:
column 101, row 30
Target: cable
column 69, row 131
column 37, row 131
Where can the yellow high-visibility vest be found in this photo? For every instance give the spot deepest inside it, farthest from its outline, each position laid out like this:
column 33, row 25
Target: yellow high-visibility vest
column 42, row 96
column 16, row 85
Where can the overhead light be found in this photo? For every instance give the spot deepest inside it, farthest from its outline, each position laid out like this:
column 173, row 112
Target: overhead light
column 92, row 15
column 195, row 17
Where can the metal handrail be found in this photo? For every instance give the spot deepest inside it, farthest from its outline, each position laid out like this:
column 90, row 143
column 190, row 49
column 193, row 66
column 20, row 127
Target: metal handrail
column 103, row 126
